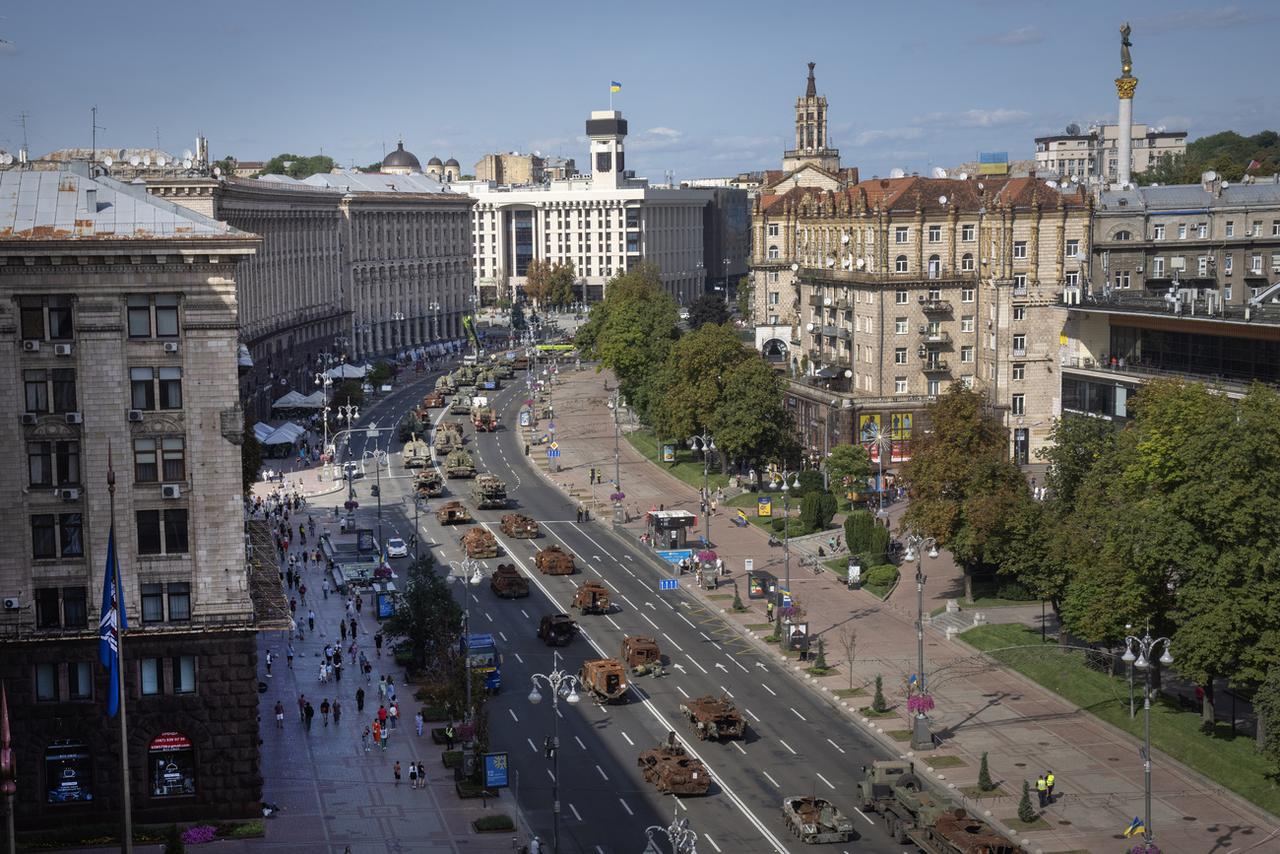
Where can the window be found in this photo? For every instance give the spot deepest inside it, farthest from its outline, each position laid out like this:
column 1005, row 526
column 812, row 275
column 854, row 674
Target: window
column 71, row 534
column 773, row 229
column 900, row 297
column 37, row 391
column 152, row 603
column 966, row 323
column 47, row 683
column 1018, row 404
column 1158, row 232
column 79, row 680
column 1020, row 345
column 1226, row 294
column 1157, row 267
column 1019, row 312
column 64, row 389
column 47, row 614
column 966, row 295
column 175, row 531
column 935, row 388
column 139, row 308
column 967, row 232
column 1182, row 231
column 935, row 268
column 1019, row 283
column 900, row 355
column 1072, row 279
column 966, row 262
column 773, row 253
column 173, row 450
column 149, row 542
column 145, row 467
column 1019, row 371
column 142, row 388
column 74, row 613
column 899, row 326
column 1202, row 265
column 1073, row 248
column 1122, row 235
column 901, row 234
column 1202, row 231
column 1255, row 263
column 935, row 234
column 1231, row 228
column 45, row 318
column 179, row 601
column 150, row 672
column 773, row 297
column 54, row 535
column 773, row 277
column 899, row 385
column 184, row 674
column 900, row 264
column 1020, row 249
column 1122, row 279
column 966, row 354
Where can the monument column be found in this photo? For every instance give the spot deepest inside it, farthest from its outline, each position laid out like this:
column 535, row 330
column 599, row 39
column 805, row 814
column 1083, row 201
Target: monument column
column 1126, row 83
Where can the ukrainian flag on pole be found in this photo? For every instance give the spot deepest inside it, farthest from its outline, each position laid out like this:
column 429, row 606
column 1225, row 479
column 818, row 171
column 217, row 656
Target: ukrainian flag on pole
column 110, row 624
column 615, row 86
column 1135, row 826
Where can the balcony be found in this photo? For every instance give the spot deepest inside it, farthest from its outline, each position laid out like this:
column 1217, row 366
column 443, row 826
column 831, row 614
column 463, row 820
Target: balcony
column 936, row 366
column 1019, row 352
column 1019, row 290
column 934, row 336
column 934, row 306
column 1202, row 305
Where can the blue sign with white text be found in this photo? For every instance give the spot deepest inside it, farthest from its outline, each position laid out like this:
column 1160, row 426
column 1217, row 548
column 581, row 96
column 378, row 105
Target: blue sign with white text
column 674, row 556
column 668, row 584
column 495, row 770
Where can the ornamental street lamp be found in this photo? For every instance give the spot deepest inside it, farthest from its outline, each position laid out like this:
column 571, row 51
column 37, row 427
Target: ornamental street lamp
column 466, row 573
column 326, row 383
column 786, row 518
column 380, row 459
column 566, row 685
column 1146, row 648
column 921, row 738
column 348, row 413
column 683, row 838
column 883, row 442
column 615, row 403
column 706, row 444
column 399, row 318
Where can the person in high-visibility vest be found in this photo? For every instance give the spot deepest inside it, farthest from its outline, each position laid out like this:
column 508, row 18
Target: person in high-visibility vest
column 1048, row 785
column 1042, row 788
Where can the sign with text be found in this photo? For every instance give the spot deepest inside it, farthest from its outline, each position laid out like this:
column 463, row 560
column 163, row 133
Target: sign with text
column 668, row 453
column 674, row 556
column 496, row 772
column 764, row 506
column 668, row 584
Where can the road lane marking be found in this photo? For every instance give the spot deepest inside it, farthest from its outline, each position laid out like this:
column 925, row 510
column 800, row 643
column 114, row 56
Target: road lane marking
column 552, row 776
column 686, row 619
column 788, row 747
column 526, row 615
column 739, row 746
column 735, row 661
column 861, row 813
column 487, row 617
column 518, row 658
column 532, row 746
column 574, row 810
column 716, row 645
column 629, row 602
column 726, row 691
column 707, row 837
column 513, row 715
column 625, row 807
column 596, row 571
column 673, row 643
column 773, row 781
column 602, row 774
column 753, row 714
column 695, row 662
column 797, row 714
column 648, row 604
column 836, row 746
column 580, row 744
column 504, row 637
column 767, row 688
column 615, row 625
column 655, row 625
column 682, row 691
column 630, row 573
column 628, row 738
column 704, row 636
column 825, row 780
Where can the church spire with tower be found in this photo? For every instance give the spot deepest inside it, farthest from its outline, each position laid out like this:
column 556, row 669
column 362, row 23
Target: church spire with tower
column 811, row 132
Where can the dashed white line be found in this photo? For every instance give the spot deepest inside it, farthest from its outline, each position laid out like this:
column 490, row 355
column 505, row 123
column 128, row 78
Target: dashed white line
column 695, row 662
column 686, row 619
column 797, row 714
column 825, row 780
column 673, row 643
column 740, row 748
column 580, row 744
column 753, row 714
column 712, row 841
column 767, row 688
column 518, row 658
column 625, row 807
column 487, row 617
column 655, row 625
column 602, row 774
column 629, row 602
column 704, row 636
column 630, row 573
column 596, row 571
column 788, row 747
column 836, row 746
column 532, row 746
column 513, row 715
column 552, row 776
column 682, row 691
column 725, row 690
column 717, row 646
column 574, row 810
column 628, row 738
column 773, row 781
column 526, row 615
column 861, row 813
column 615, row 625
column 740, row 667
column 504, row 637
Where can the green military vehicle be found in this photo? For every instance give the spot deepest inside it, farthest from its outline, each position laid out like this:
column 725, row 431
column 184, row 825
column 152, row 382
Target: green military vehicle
column 913, row 814
column 459, row 464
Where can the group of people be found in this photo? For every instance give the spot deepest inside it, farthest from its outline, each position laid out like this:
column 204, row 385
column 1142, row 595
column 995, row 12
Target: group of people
column 1044, row 788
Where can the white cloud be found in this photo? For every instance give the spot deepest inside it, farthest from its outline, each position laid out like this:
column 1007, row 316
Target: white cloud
column 999, row 117
column 1022, row 35
column 1202, row 19
column 659, row 139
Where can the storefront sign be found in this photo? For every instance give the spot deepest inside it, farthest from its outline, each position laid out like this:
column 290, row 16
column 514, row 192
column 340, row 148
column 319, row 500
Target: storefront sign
column 764, row 506
column 173, row 767
column 674, row 556
column 668, row 453
column 68, row 773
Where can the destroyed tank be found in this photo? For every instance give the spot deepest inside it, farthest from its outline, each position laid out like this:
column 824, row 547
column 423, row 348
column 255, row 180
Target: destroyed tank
column 714, row 717
column 433, row 400
column 557, row 629
column 428, row 483
column 508, row 583
column 448, row 437
column 458, row 464
column 554, row 560
column 591, row 597
column 453, row 513
column 813, row 820
column 461, row 404
column 484, row 419
column 914, row 813
column 416, row 453
column 489, row 492
column 670, row 767
column 479, row 543
column 519, row 527
column 604, row 679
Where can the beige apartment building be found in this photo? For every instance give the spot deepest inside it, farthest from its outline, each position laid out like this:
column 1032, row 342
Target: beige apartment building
column 1095, row 153
column 118, row 329
column 514, row 168
column 908, row 285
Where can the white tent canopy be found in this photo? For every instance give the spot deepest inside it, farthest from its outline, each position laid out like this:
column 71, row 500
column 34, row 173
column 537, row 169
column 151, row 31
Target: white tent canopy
column 315, row 400
column 262, row 430
column 289, row 401
column 286, row 434
column 345, row 372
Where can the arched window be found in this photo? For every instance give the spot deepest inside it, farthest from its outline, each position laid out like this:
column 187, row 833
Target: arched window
column 773, row 253
column 966, row 262
column 900, row 264
column 1122, row 235
column 935, row 266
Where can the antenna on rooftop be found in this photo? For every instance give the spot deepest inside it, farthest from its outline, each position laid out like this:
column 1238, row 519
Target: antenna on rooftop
column 93, row 132
column 22, row 120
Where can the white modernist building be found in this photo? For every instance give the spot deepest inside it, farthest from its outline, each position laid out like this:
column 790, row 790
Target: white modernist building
column 603, row 223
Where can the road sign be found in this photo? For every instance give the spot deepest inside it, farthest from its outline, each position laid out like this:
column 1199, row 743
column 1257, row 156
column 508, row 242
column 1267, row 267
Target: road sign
column 555, row 446
column 553, row 453
column 668, row 584
column 551, row 426
column 495, row 770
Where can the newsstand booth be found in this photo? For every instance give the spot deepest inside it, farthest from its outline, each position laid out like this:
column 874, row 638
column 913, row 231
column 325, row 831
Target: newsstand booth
column 669, row 529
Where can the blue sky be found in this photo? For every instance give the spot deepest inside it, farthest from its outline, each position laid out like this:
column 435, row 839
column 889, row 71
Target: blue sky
column 708, row 86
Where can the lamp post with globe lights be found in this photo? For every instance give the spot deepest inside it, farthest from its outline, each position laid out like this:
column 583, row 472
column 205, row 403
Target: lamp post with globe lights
column 706, row 445
column 1146, row 647
column 562, row 684
column 921, row 738
column 466, row 573
column 789, row 480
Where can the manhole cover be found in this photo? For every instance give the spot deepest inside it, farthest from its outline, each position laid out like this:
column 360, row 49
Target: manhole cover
column 1064, row 823
column 1019, row 765
column 1188, row 818
column 1113, row 759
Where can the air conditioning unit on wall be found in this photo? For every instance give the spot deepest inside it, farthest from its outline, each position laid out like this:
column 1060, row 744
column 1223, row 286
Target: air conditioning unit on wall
column 171, row 490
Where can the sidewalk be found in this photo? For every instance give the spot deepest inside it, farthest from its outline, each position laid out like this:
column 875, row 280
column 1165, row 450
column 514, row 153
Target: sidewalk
column 980, row 708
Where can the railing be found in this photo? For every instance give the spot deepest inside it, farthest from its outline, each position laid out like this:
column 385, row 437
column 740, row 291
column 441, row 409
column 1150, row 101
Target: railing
column 936, row 365
column 1019, row 352
column 930, row 306
column 934, row 336
column 1142, row 371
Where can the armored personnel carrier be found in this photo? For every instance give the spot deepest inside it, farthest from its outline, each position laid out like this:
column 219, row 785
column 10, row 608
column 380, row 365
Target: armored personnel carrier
column 554, row 560
column 428, row 483
column 453, row 513
column 591, row 597
column 714, row 717
column 520, row 527
column 557, row 629
column 489, row 492
column 604, row 679
column 458, row 464
column 479, row 543
column 813, row 819
column 508, row 583
column 641, row 654
column 670, row 767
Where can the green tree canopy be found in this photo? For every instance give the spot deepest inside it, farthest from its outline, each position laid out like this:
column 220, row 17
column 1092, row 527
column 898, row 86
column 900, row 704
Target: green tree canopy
column 848, row 467
column 691, row 380
column 537, row 282
column 427, row 616
column 299, row 165
column 560, row 284
column 750, row 422
column 707, row 308
column 745, row 292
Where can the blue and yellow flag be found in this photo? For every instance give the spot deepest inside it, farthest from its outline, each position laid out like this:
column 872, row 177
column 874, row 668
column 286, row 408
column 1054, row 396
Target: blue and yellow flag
column 111, row 622
column 1135, row 826
column 615, row 86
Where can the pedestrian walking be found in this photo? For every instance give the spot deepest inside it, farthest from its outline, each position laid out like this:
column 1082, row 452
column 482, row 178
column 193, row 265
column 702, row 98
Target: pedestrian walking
column 1048, row 785
column 293, row 605
column 353, row 628
column 324, row 588
column 279, row 715
column 368, row 673
column 302, row 708
column 396, row 770
column 393, row 714
column 1042, row 788
column 324, row 673
column 337, row 712
column 413, row 776
column 324, row 710
column 289, row 655
column 342, row 626
column 383, row 714
column 364, row 739
column 311, row 620
column 328, row 653
column 310, row 713
column 422, row 775
column 377, row 732
column 359, row 699
column 377, row 642
column 417, row 722
column 337, row 668
column 359, row 601
column 302, row 593
column 769, row 611
column 269, row 660
column 386, row 734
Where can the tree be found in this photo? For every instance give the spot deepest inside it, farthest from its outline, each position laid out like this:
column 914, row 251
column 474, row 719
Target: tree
column 227, row 166
column 427, row 616
column 744, row 300
column 1026, row 813
column 537, row 282
column 1266, row 702
column 518, row 323
column 849, row 644
column 858, row 526
column 691, row 380
column 848, row 467
column 707, row 308
column 560, row 286
column 298, row 166
column 878, row 704
column 811, row 511
column 984, row 776
column 750, row 422
column 348, row 393
column 250, row 457
column 1075, row 445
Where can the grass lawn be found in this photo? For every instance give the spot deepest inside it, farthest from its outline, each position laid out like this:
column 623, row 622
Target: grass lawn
column 747, row 502
column 985, row 602
column 1227, row 758
column 688, row 465
column 822, row 671
column 1020, row 825
column 759, row 627
column 898, row 734
column 846, row 693
column 869, row 712
column 945, row 762
column 978, row 793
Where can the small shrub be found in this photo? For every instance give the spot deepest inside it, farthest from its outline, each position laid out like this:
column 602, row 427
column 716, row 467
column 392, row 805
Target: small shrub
column 877, row 544
column 1015, row 590
column 1026, row 812
column 778, row 524
column 492, row 823
column 199, row 834
column 984, row 776
column 737, row 600
column 881, row 576
column 857, row 530
column 877, row 702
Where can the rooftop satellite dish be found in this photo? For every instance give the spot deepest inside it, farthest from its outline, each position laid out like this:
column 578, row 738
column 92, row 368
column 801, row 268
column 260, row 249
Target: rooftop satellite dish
column 1053, row 184
column 187, row 163
column 963, row 176
column 107, row 161
column 939, row 172
column 831, row 262
column 146, row 160
column 1224, row 185
column 6, row 159
column 217, row 171
column 861, row 263
column 897, row 173
column 161, row 162
column 809, row 327
column 848, row 373
column 1075, row 179
column 186, row 154
column 942, row 200
column 135, row 160
column 1209, row 176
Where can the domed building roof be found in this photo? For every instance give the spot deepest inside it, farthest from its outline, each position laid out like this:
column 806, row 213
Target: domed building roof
column 401, row 159
column 435, row 161
column 452, row 162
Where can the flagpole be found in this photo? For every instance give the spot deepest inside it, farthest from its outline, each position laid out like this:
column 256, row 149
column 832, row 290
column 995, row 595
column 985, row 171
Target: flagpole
column 8, row 768
column 126, row 841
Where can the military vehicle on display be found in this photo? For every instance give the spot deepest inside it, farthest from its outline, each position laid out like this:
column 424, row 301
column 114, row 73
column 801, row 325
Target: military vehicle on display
column 453, row 513
column 479, row 543
column 489, row 492
column 484, row 419
column 504, row 369
column 432, row 400
column 641, row 654
column 459, row 464
column 670, row 767
column 417, row 454
column 604, row 679
column 448, row 437
column 557, row 629
column 461, row 404
column 446, row 385
column 507, row 582
column 428, row 483
column 488, row 379
column 519, row 527
column 591, row 597
column 714, row 718
column 914, row 814
column 554, row 560
column 813, row 819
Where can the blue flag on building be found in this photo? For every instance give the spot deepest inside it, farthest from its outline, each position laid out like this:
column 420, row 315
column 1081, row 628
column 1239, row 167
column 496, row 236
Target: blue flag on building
column 110, row 624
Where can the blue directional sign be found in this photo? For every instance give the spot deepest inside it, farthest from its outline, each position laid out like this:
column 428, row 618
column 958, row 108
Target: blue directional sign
column 553, row 453
column 668, row 584
column 495, row 770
